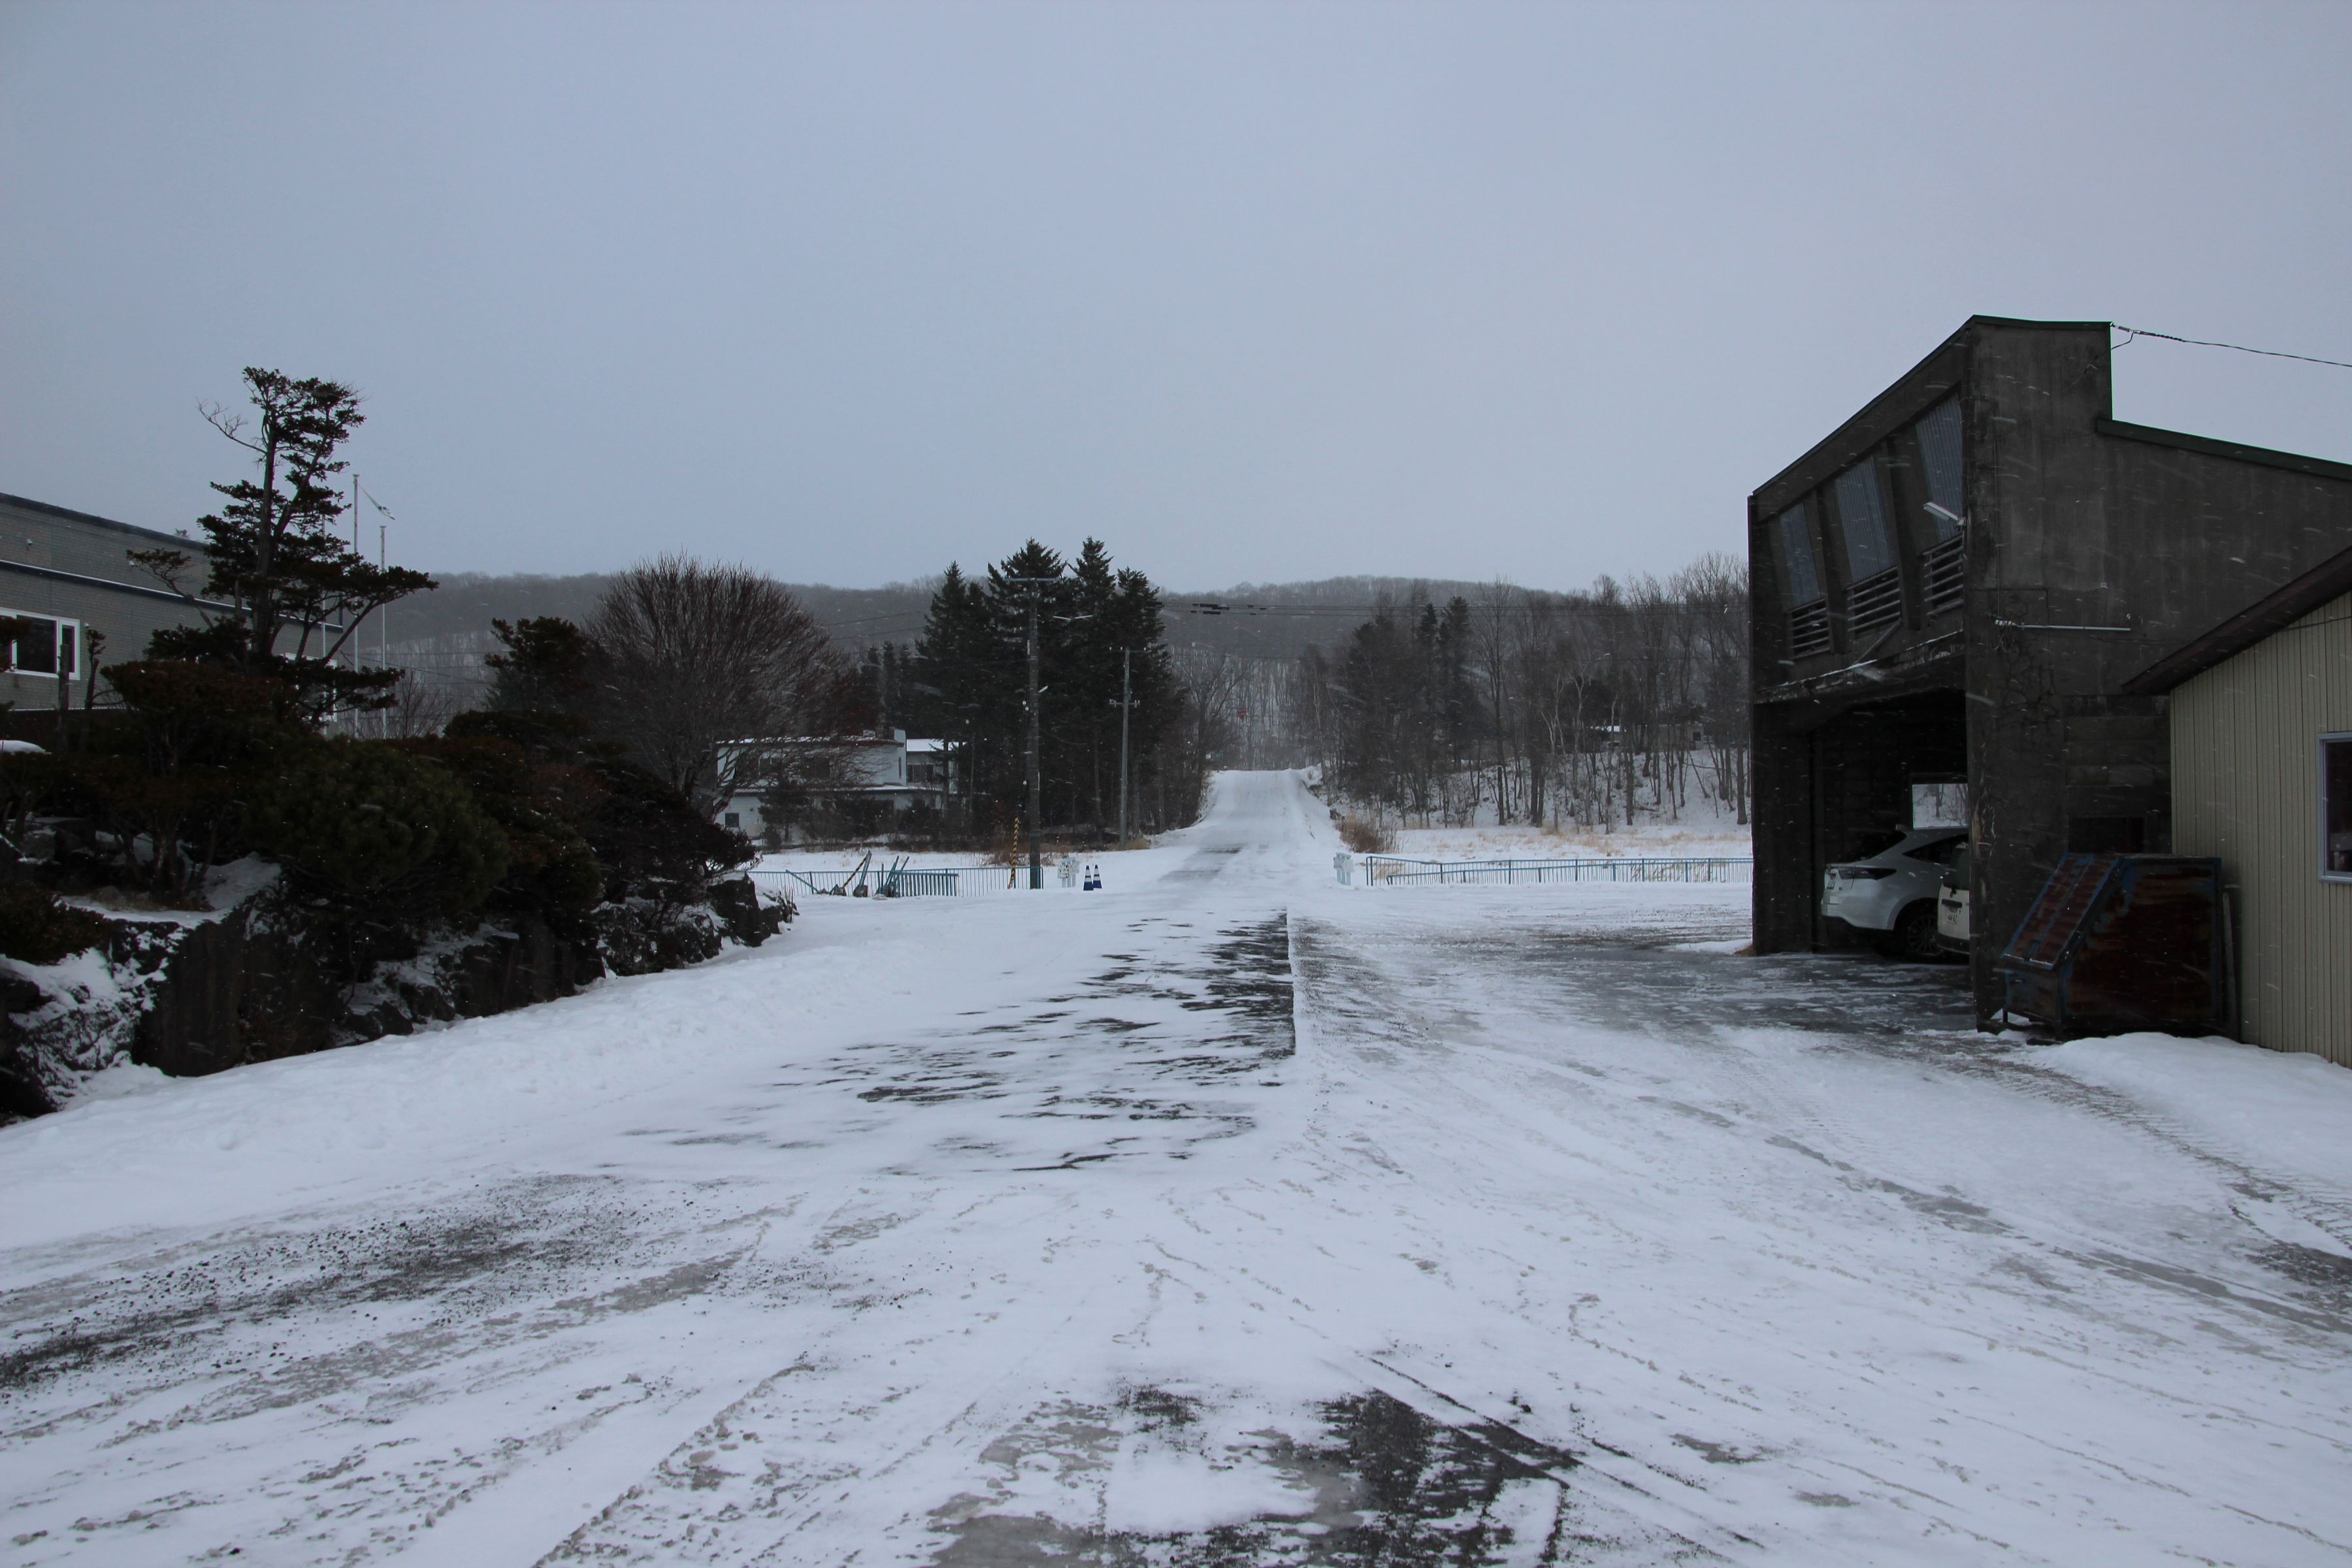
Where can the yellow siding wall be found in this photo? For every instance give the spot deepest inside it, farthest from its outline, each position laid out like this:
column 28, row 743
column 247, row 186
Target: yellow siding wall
column 2245, row 786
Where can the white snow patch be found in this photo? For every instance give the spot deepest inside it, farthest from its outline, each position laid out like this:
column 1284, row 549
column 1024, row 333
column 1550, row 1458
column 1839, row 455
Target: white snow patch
column 1168, row 1491
column 227, row 886
column 123, row 1081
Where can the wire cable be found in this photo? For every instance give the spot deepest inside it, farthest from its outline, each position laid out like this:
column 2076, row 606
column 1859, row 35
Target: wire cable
column 2137, row 332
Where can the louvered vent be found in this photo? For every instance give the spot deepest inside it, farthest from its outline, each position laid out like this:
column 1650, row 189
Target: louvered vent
column 1877, row 601
column 1809, row 631
column 1944, row 565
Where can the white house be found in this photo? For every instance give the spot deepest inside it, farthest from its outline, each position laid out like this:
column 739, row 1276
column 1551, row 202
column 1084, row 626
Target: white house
column 891, row 774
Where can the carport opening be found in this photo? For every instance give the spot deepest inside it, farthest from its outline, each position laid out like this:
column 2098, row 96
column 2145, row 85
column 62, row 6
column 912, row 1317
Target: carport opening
column 1880, row 771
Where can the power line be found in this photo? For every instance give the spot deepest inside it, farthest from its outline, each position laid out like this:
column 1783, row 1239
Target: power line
column 2208, row 344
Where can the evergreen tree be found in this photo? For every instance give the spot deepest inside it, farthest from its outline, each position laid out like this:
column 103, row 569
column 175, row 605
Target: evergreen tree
column 546, row 664
column 295, row 592
column 970, row 671
column 960, row 669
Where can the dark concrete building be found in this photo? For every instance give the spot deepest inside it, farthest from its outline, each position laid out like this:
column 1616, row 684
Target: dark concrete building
column 1956, row 584
column 65, row 574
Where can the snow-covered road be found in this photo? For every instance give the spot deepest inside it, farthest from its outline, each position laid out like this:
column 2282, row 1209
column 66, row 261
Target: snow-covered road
column 1226, row 1217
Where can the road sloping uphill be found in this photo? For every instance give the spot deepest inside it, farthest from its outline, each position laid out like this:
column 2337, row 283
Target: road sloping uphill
column 1226, row 1217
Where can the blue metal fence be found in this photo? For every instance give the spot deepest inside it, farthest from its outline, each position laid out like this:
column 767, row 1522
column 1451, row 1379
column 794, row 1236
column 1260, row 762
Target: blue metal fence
column 1392, row 869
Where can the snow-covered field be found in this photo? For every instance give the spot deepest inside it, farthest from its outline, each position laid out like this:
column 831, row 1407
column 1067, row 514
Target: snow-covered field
column 1701, row 828
column 1226, row 1217
column 1708, row 838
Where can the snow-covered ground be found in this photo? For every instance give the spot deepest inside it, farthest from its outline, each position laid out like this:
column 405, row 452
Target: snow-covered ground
column 1226, row 1217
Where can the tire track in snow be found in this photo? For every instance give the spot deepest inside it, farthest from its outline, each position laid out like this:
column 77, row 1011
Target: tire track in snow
column 1385, row 997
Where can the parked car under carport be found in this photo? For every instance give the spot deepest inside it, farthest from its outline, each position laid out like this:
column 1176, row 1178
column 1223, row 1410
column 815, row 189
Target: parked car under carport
column 1887, row 897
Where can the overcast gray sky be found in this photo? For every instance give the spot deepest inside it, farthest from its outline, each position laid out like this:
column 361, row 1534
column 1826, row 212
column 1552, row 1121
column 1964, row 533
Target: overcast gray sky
column 1253, row 292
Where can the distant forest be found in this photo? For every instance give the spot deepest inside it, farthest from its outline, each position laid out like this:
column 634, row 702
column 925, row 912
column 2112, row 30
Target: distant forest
column 1428, row 700
column 444, row 635
column 1276, row 620
column 1513, row 705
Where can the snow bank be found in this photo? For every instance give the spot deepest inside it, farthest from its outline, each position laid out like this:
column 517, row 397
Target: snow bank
column 2281, row 1107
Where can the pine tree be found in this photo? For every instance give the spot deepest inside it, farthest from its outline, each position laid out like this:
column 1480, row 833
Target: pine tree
column 971, row 665
column 958, row 670
column 294, row 593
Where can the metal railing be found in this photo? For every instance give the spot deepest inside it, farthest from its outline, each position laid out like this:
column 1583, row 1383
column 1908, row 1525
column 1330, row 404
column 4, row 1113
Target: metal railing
column 1390, row 869
column 887, row 882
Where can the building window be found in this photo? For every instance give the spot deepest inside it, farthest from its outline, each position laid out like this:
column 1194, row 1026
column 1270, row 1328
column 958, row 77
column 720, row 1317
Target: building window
column 1804, row 572
column 735, row 820
column 2335, row 807
column 1809, row 614
column 1862, row 516
column 1944, row 563
column 1939, row 457
column 1875, row 595
column 39, row 645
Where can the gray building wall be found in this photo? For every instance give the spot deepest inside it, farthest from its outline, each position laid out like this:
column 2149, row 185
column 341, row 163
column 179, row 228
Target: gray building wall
column 63, row 564
column 2093, row 549
column 2245, row 788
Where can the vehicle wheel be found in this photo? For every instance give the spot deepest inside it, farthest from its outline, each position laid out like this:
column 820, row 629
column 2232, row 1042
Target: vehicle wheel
column 1913, row 936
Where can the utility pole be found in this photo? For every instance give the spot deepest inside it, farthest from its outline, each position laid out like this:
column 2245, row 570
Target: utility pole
column 1036, row 777
column 1126, row 705
column 350, row 632
column 62, row 648
column 1036, row 586
column 383, row 628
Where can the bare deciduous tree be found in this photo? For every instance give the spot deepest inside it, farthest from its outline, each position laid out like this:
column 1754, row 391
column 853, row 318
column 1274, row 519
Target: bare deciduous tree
column 1539, row 707
column 715, row 677
column 1215, row 686
column 419, row 708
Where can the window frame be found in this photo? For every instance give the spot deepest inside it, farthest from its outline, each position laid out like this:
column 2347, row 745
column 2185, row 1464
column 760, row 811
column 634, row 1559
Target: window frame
column 2334, row 738
column 1959, row 469
column 65, row 669
column 1803, row 509
column 1870, row 468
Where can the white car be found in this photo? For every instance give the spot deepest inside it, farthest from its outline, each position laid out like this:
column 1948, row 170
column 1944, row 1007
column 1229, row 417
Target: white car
column 1890, row 896
column 1952, row 911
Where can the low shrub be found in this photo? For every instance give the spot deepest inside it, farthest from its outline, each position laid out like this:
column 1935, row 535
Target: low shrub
column 1366, row 836
column 37, row 928
column 551, row 870
column 375, row 835
column 648, row 839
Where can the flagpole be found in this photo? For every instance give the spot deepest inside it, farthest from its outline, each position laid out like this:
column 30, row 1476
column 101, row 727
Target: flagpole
column 383, row 620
